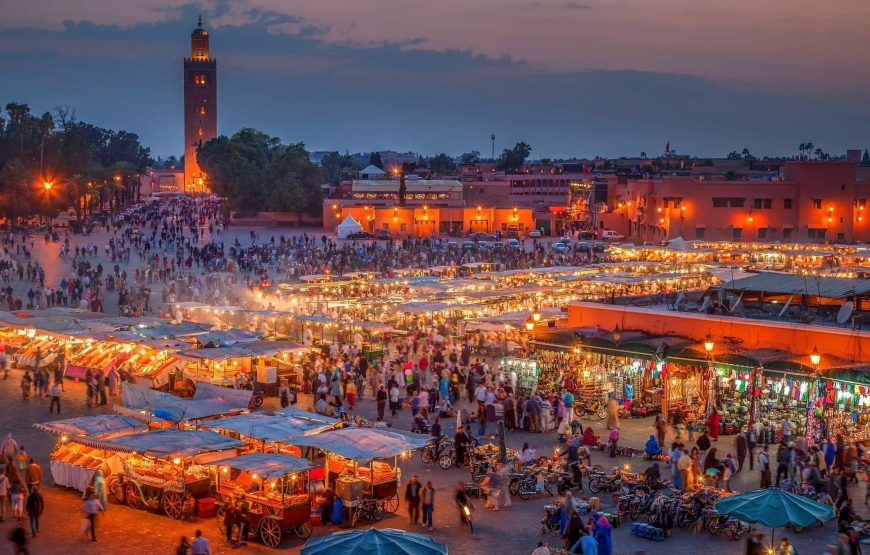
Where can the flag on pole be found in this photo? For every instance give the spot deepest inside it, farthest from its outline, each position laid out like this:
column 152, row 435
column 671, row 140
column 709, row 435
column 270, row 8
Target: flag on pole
column 668, row 147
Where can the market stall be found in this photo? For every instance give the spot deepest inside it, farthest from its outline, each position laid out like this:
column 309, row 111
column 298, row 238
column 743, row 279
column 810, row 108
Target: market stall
column 166, row 469
column 355, row 466
column 276, row 489
column 163, row 410
column 78, row 453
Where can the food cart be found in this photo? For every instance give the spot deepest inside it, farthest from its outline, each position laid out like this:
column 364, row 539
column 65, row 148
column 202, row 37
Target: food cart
column 275, row 488
column 165, row 469
column 78, row 454
column 272, row 432
column 355, row 463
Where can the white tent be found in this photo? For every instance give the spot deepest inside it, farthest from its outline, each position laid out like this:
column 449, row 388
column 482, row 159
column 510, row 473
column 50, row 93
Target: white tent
column 348, row 226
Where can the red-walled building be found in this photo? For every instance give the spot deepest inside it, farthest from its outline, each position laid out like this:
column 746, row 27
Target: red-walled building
column 808, row 201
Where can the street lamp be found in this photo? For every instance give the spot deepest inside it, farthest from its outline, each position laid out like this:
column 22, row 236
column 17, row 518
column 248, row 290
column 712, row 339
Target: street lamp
column 530, row 324
column 577, row 347
column 708, row 345
column 815, row 358
column 536, row 315
column 48, row 185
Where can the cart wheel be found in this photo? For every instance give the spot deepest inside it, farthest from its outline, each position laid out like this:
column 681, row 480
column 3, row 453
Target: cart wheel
column 426, row 455
column 446, row 461
column 117, row 489
column 134, row 497
column 602, row 414
column 173, row 504
column 391, row 504
column 303, row 531
column 270, row 532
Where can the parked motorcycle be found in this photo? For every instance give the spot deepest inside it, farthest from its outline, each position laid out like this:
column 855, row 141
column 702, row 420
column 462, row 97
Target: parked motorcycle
column 594, row 408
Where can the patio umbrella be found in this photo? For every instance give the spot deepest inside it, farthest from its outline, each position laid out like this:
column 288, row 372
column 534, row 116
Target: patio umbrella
column 775, row 508
column 387, row 541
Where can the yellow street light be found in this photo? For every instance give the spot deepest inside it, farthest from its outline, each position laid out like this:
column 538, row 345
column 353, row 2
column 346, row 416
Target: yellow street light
column 815, row 357
column 708, row 344
column 530, row 324
column 48, row 185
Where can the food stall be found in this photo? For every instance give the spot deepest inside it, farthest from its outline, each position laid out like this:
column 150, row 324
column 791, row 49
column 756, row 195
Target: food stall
column 358, row 465
column 166, row 469
column 78, row 453
column 270, row 432
column 276, row 488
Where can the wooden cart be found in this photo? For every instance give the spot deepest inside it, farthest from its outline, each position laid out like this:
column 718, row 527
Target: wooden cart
column 275, row 489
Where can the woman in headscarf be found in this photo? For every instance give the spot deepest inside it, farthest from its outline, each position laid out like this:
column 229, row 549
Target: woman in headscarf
column 589, row 437
column 652, row 447
column 602, row 531
column 566, row 513
column 612, row 413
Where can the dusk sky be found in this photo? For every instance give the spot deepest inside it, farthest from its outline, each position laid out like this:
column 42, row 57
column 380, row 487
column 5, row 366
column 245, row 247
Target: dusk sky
column 570, row 77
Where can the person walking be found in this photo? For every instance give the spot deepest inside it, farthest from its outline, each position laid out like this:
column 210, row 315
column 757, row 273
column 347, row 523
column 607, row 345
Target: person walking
column 91, row 508
column 54, row 392
column 200, row 545
column 381, row 398
column 33, row 475
column 412, row 497
column 18, row 537
column 751, row 439
column 764, row 467
column 183, row 546
column 4, row 493
column 230, row 520
column 428, row 498
column 35, row 507
column 9, row 450
column 16, row 493
column 741, row 447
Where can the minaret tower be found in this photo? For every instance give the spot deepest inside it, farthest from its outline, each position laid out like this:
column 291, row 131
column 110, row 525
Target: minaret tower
column 200, row 106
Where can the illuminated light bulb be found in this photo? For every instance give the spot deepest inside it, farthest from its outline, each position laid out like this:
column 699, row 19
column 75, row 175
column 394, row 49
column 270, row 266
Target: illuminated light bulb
column 176, row 460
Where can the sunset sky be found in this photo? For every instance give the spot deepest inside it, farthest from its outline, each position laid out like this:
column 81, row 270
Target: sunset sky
column 570, row 77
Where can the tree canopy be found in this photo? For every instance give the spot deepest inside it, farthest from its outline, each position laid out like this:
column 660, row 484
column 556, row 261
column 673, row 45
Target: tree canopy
column 89, row 167
column 512, row 159
column 442, row 164
column 257, row 172
column 336, row 166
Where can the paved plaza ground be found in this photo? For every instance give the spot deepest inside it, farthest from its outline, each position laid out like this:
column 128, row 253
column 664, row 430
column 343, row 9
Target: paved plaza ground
column 515, row 530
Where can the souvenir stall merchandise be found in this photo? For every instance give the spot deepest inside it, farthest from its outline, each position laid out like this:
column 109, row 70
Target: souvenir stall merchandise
column 522, row 373
column 154, row 368
column 77, row 456
column 781, row 396
column 733, row 390
column 165, row 469
column 275, row 487
column 844, row 409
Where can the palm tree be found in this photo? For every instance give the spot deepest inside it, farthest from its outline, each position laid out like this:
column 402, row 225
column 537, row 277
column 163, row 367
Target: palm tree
column 802, row 147
column 810, row 147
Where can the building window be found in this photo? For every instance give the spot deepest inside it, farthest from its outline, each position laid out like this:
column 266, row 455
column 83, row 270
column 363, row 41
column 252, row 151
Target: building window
column 841, row 237
column 201, row 110
column 786, row 203
column 817, row 203
column 786, row 232
column 403, row 227
column 699, row 232
column 733, row 202
column 762, row 203
column 199, row 132
column 762, row 232
column 737, row 233
column 816, row 233
column 719, row 202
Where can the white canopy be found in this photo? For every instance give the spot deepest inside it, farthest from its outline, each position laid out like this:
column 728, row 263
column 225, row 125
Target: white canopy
column 348, row 226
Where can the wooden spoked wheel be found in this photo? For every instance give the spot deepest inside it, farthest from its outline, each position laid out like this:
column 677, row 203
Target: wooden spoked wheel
column 270, row 532
column 173, row 504
column 219, row 517
column 133, row 496
column 391, row 504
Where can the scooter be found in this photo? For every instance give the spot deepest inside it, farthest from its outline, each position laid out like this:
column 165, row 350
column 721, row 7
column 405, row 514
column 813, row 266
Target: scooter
column 529, row 485
column 479, row 470
column 466, row 515
column 593, row 408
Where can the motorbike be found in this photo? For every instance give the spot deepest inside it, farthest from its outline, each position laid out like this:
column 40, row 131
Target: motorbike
column 594, row 407
column 466, row 515
column 440, row 451
column 716, row 523
column 529, row 485
column 479, row 469
column 256, row 400
column 615, row 481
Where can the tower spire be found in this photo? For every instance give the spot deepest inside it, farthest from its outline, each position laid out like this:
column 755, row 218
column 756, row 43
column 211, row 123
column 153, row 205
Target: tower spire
column 199, row 21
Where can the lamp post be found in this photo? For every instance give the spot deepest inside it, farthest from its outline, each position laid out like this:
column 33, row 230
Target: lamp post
column 530, row 324
column 47, row 185
column 711, row 376
column 536, row 314
column 812, row 397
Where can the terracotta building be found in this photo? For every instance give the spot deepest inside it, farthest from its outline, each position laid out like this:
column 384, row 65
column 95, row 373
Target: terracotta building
column 200, row 106
column 808, row 201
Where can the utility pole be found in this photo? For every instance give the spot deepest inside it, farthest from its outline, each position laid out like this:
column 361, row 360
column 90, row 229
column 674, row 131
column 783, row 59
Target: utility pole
column 492, row 138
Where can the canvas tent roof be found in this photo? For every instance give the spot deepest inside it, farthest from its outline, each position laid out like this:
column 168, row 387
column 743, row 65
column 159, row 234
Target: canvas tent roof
column 271, row 427
column 791, row 284
column 348, row 226
column 363, row 444
column 265, row 465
